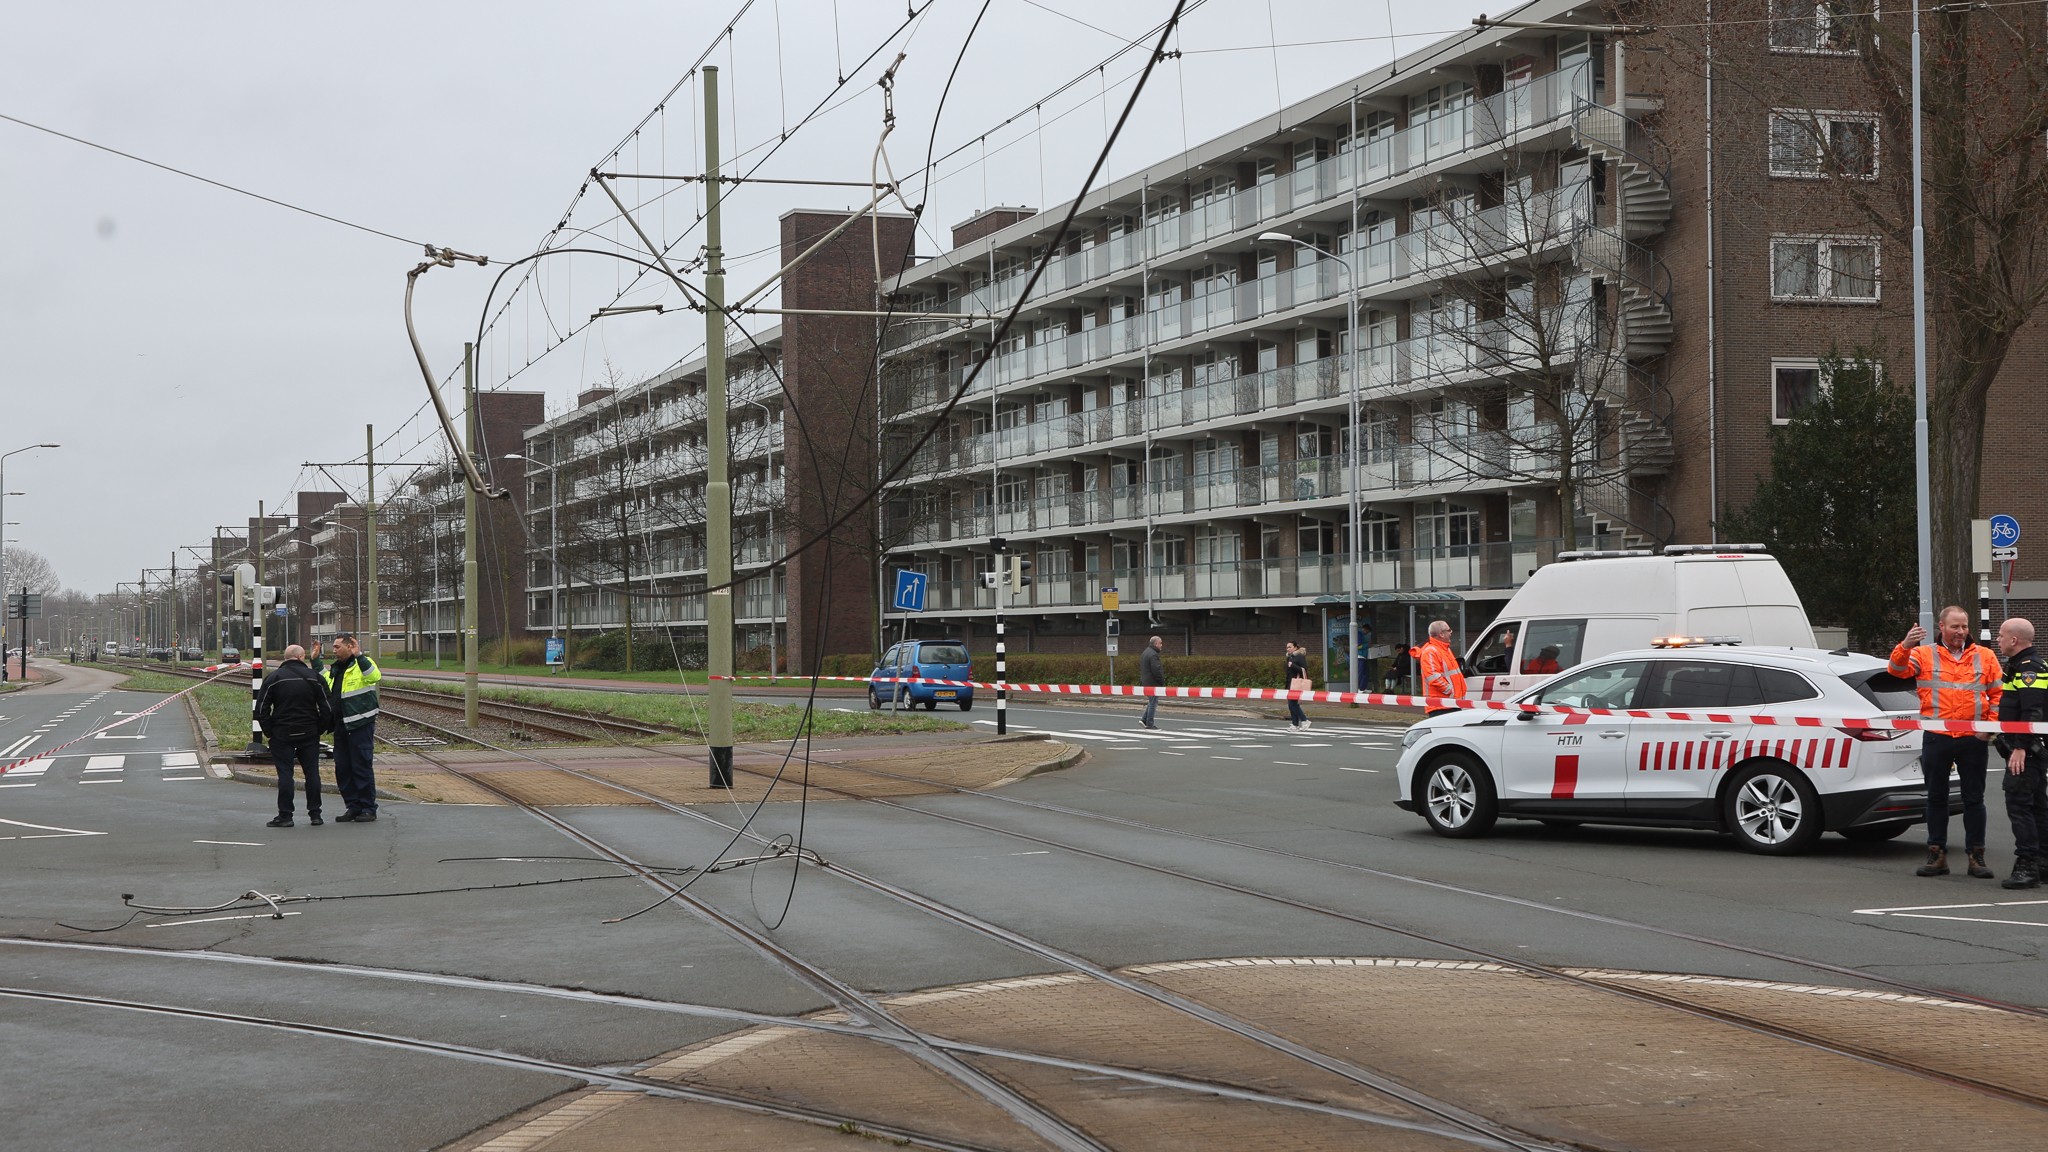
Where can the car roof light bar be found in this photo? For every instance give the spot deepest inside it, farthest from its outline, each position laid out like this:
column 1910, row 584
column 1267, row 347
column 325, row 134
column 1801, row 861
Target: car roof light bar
column 1708, row 549
column 1608, row 554
column 1693, row 641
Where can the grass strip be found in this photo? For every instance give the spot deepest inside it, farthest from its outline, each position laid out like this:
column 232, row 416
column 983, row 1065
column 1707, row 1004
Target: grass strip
column 750, row 721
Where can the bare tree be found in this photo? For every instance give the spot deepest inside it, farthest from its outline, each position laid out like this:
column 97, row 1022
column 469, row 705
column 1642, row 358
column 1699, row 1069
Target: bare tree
column 26, row 569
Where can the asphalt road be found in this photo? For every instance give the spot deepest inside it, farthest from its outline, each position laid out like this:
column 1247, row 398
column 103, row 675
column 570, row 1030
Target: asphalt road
column 124, row 814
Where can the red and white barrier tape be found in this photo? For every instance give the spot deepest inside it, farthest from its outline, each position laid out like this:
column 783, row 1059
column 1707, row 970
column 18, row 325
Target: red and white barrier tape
column 18, row 762
column 1877, row 723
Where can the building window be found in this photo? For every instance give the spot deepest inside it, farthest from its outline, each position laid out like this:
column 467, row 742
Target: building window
column 1814, row 144
column 1833, row 268
column 1794, row 385
column 1810, row 26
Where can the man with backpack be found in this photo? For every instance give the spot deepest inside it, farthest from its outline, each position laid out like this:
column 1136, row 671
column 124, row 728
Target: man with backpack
column 292, row 709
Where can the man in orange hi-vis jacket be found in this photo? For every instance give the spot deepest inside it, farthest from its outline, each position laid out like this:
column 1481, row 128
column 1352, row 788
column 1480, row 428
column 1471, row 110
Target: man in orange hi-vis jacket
column 1958, row 680
column 1441, row 675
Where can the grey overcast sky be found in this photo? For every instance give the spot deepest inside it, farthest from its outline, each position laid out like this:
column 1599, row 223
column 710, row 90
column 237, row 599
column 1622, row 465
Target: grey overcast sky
column 191, row 348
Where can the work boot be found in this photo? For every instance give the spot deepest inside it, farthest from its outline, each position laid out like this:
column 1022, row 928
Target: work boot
column 2026, row 873
column 1978, row 869
column 282, row 821
column 1937, row 861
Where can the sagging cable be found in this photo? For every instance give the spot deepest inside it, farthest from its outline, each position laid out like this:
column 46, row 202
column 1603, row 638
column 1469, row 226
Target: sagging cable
column 446, row 258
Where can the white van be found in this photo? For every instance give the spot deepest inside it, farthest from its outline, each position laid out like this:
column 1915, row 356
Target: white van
column 1592, row 603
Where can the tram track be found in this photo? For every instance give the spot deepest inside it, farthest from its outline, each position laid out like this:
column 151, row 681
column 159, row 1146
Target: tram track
column 1745, row 1021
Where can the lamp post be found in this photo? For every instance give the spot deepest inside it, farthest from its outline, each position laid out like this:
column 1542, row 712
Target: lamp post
column 4, row 494
column 1351, row 404
column 554, row 544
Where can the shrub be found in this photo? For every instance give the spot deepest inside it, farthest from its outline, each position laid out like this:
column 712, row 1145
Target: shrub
column 652, row 652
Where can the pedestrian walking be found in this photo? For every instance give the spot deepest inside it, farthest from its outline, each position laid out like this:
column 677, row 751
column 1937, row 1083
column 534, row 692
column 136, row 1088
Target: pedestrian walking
column 1958, row 680
column 292, row 711
column 1151, row 674
column 1297, row 681
column 2024, row 696
column 351, row 683
column 1441, row 675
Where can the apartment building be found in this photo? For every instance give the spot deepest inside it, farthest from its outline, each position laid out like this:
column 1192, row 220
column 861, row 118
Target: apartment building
column 1401, row 344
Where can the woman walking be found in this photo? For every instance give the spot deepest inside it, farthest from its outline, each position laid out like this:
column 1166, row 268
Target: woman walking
column 1297, row 681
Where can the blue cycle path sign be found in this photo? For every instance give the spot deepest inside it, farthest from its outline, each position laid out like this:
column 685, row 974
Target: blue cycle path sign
column 909, row 591
column 2005, row 531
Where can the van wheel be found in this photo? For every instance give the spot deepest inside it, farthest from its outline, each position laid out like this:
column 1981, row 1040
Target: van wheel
column 1876, row 833
column 1455, row 795
column 1772, row 809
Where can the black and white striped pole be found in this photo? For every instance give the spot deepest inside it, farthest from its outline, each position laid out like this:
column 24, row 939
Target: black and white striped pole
column 1001, row 547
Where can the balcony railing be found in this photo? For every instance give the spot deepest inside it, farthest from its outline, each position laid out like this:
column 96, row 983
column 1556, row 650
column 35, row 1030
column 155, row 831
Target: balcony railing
column 1456, row 567
column 1544, row 218
column 1488, row 348
column 1480, row 124
column 654, row 612
column 1465, row 458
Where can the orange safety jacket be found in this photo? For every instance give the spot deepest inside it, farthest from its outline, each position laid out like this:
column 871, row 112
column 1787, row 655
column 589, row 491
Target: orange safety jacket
column 1952, row 687
column 1441, row 675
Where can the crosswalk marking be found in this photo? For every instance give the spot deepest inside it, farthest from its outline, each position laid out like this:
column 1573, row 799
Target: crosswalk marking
column 98, row 763
column 181, row 759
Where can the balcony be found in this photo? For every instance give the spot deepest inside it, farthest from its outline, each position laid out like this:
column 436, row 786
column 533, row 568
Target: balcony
column 1466, row 459
column 1458, row 567
column 1547, row 218
column 1559, row 96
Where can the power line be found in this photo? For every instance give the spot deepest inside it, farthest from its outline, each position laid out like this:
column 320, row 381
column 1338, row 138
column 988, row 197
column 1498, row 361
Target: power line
column 215, row 183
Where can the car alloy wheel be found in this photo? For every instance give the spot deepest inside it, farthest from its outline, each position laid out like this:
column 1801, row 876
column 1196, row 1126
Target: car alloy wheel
column 1457, row 797
column 1772, row 809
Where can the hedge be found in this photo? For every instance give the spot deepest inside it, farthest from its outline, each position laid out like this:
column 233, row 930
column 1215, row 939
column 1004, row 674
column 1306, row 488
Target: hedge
column 1068, row 668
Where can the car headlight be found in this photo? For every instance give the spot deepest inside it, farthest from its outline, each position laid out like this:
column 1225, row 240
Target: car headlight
column 1414, row 733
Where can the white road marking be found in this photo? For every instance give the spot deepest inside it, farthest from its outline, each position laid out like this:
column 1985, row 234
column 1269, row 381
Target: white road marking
column 181, row 777
column 30, row 767
column 1291, row 763
column 1341, row 768
column 1251, row 745
column 1309, row 745
column 1164, row 752
column 181, row 759
column 1928, row 912
column 211, row 919
column 1131, row 735
column 17, row 746
column 103, row 769
column 243, row 843
column 99, row 781
column 1238, row 758
column 49, row 830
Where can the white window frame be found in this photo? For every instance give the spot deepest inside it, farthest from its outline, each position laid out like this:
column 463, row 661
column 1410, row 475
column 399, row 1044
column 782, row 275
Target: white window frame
column 1797, row 363
column 1815, row 11
column 1824, row 119
column 1824, row 279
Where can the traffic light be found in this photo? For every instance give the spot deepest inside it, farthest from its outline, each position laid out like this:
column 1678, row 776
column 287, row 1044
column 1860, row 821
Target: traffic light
column 1020, row 574
column 241, row 582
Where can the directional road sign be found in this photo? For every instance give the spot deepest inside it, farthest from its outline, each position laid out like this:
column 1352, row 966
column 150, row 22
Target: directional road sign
column 2007, row 555
column 2005, row 531
column 909, row 591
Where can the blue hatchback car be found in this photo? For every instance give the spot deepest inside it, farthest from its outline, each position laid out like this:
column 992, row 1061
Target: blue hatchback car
column 930, row 659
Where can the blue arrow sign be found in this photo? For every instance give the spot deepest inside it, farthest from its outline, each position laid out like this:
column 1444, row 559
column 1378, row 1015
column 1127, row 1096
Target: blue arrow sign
column 909, row 591
column 2005, row 531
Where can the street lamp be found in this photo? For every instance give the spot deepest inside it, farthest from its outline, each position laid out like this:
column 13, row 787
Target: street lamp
column 554, row 543
column 3, row 554
column 1351, row 403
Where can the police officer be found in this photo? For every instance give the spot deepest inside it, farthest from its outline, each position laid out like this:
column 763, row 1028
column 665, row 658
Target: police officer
column 2025, row 697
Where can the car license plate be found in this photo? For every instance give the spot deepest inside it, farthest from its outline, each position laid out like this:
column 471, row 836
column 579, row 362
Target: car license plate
column 943, row 692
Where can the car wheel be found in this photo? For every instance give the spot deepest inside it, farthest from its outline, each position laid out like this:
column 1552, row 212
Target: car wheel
column 931, row 705
column 874, row 701
column 966, row 704
column 1455, row 795
column 1876, row 833
column 1772, row 809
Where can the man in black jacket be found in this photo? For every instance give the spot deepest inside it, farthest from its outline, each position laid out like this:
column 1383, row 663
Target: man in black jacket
column 2024, row 696
column 1151, row 674
column 293, row 711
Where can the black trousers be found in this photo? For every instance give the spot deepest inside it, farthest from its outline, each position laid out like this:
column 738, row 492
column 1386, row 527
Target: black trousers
column 303, row 752
column 1938, row 751
column 2027, row 808
column 354, row 775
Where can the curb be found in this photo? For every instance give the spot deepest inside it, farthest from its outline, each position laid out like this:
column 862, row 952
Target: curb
column 326, row 786
column 1073, row 756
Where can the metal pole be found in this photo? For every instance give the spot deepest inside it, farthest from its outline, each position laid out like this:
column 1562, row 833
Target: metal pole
column 1351, row 319
column 717, row 487
column 174, row 608
column 256, row 634
column 469, row 709
column 370, row 514
column 1924, row 504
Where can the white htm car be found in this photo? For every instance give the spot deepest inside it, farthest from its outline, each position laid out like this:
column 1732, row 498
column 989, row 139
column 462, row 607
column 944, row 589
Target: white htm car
column 1775, row 788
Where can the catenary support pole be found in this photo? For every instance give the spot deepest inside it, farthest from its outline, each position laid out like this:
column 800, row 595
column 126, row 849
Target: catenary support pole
column 375, row 649
column 717, row 486
column 1921, row 486
column 469, row 435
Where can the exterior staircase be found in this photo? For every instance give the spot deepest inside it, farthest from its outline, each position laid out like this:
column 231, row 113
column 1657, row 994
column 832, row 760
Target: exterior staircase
column 1642, row 163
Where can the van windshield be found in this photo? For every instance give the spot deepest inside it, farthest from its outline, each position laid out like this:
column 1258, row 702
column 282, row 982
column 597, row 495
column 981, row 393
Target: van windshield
column 1552, row 646
column 942, row 654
